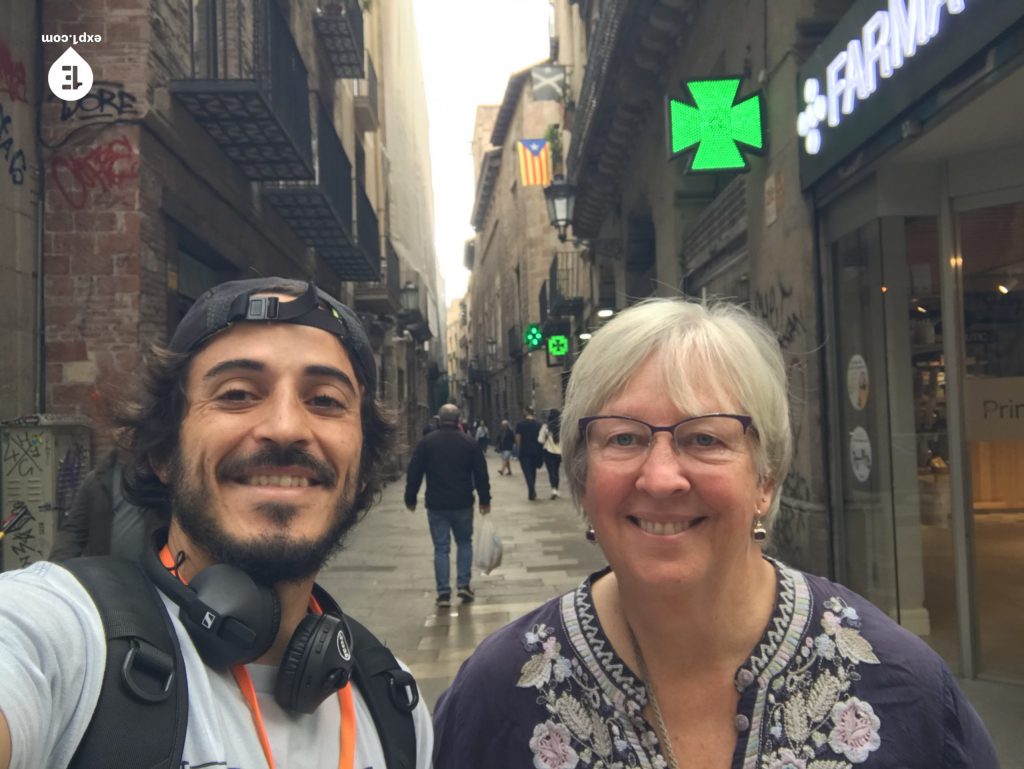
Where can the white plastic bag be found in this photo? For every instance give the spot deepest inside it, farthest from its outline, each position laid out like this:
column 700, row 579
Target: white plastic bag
column 487, row 549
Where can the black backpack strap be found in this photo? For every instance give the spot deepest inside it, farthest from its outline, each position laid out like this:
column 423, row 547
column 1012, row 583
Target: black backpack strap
column 144, row 687
column 390, row 693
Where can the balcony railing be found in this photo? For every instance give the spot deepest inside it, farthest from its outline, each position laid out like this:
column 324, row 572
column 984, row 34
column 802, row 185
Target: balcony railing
column 339, row 26
column 320, row 211
column 367, row 230
column 565, row 284
column 382, row 296
column 364, row 102
column 247, row 86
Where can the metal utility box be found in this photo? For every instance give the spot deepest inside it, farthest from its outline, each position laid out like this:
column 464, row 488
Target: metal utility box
column 45, row 457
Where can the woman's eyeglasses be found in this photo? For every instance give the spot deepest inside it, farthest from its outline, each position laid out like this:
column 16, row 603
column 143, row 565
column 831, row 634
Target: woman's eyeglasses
column 711, row 439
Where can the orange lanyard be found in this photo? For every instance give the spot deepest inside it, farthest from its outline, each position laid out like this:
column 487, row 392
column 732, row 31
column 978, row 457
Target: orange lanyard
column 347, row 741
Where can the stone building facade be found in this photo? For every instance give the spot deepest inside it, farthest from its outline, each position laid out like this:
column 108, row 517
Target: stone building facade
column 510, row 260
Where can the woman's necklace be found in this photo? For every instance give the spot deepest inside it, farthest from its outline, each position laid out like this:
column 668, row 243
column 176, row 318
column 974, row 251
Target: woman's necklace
column 659, row 720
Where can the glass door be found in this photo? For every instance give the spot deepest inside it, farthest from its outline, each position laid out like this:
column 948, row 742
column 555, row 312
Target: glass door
column 991, row 243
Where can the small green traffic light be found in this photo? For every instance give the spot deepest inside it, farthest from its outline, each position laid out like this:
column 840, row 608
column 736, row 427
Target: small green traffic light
column 715, row 125
column 533, row 336
column 558, row 345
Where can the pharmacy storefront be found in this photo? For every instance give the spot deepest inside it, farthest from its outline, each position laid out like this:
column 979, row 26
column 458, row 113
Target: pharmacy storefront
column 911, row 130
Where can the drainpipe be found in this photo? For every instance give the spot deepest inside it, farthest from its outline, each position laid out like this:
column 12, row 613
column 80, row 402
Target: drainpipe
column 40, row 319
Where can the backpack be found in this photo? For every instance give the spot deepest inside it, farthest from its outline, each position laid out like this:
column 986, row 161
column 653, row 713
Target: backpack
column 144, row 680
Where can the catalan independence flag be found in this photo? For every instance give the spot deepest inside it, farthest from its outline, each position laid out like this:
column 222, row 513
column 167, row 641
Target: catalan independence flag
column 534, row 162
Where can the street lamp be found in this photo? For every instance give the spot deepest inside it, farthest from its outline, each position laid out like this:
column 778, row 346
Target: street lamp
column 410, row 297
column 560, row 197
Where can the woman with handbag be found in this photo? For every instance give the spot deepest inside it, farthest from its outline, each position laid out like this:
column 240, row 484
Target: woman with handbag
column 550, row 439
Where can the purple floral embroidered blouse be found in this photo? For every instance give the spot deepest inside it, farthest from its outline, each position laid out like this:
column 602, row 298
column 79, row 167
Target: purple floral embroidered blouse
column 833, row 684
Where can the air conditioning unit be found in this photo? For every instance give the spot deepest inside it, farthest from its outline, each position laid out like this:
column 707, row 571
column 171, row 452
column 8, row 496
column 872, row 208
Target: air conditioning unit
column 45, row 458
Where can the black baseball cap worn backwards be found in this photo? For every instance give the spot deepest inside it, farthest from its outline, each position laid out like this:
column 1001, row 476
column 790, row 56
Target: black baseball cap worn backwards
column 229, row 303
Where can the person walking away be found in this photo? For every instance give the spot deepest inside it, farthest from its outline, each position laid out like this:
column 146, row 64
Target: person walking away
column 255, row 437
column 506, row 444
column 482, row 436
column 693, row 648
column 549, row 438
column 454, row 466
column 531, row 454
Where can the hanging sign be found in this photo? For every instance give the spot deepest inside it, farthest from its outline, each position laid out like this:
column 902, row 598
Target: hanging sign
column 877, row 65
column 715, row 125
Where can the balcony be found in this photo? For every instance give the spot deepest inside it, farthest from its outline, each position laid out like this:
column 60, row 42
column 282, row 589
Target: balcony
column 247, row 87
column 383, row 296
column 364, row 100
column 339, row 27
column 320, row 211
column 565, row 285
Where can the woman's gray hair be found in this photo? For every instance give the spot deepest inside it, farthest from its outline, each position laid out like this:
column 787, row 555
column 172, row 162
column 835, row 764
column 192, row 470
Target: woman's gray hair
column 705, row 349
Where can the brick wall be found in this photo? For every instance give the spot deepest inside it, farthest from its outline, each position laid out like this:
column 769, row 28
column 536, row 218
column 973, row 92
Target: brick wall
column 19, row 184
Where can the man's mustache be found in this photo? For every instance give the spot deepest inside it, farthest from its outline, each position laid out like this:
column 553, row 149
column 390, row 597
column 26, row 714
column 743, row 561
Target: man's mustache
column 234, row 468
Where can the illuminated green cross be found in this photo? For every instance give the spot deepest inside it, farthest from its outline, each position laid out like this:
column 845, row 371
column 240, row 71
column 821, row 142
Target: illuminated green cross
column 716, row 125
column 558, row 345
column 533, row 336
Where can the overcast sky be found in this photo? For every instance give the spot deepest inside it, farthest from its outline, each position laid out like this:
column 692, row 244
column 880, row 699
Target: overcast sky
column 469, row 49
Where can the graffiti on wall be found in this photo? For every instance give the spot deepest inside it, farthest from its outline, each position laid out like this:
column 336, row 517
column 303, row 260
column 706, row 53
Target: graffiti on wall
column 79, row 173
column 792, row 535
column 776, row 307
column 13, row 81
column 38, row 488
column 23, row 454
column 106, row 102
column 13, row 156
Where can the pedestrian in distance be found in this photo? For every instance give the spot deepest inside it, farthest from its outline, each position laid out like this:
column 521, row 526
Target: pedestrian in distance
column 506, row 444
column 101, row 520
column 256, row 439
column 692, row 648
column 482, row 436
column 454, row 467
column 550, row 441
column 531, row 453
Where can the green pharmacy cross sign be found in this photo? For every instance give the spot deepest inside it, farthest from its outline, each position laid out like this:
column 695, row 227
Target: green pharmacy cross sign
column 716, row 125
column 533, row 336
column 558, row 345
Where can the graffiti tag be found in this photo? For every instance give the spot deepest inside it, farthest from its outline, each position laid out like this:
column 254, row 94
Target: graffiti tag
column 106, row 101
column 775, row 308
column 102, row 168
column 23, row 454
column 12, row 75
column 15, row 157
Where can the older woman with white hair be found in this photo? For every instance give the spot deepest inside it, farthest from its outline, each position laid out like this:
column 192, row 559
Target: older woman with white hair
column 694, row 649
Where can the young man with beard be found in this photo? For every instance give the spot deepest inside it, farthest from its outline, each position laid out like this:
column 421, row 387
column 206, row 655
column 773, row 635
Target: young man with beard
column 257, row 436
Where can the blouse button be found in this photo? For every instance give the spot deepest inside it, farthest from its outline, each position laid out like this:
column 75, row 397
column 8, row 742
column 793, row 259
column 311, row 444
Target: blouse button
column 744, row 678
column 742, row 723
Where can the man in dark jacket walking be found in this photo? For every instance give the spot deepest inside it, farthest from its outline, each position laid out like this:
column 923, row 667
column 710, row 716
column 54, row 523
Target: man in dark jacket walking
column 454, row 465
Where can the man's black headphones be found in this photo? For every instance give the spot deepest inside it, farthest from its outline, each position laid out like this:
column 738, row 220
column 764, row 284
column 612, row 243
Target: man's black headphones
column 233, row 620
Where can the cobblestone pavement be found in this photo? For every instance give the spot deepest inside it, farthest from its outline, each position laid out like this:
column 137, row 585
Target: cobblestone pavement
column 385, row 577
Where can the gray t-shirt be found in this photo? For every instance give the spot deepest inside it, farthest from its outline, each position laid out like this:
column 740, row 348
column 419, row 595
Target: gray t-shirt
column 52, row 655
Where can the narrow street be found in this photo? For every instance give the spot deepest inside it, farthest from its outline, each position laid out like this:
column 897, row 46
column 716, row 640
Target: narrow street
column 385, row 575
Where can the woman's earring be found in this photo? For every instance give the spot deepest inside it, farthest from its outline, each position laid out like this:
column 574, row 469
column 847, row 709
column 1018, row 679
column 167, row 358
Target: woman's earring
column 591, row 535
column 759, row 533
